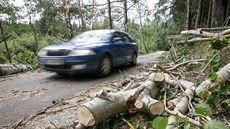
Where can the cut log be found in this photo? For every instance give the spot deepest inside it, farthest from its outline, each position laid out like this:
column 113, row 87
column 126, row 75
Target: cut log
column 105, row 105
column 150, row 105
column 222, row 75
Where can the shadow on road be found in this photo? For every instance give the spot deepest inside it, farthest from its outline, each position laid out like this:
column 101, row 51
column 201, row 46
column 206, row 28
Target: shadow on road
column 89, row 77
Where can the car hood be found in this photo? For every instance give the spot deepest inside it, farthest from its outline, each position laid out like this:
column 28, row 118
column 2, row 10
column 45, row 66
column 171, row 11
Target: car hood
column 74, row 46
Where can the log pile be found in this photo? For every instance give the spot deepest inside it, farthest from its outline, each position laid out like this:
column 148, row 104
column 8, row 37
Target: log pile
column 7, row 69
column 105, row 105
column 142, row 98
column 204, row 35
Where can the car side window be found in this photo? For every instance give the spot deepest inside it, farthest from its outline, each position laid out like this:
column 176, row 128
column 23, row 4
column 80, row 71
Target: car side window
column 117, row 38
column 126, row 37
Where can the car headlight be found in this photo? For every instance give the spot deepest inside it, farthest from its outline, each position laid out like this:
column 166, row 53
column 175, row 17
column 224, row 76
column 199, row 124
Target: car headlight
column 81, row 53
column 42, row 53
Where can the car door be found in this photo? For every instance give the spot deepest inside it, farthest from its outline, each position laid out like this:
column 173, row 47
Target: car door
column 128, row 46
column 118, row 49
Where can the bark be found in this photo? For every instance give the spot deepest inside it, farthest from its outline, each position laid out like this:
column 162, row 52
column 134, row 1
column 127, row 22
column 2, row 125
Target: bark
column 110, row 15
column 181, row 104
column 152, row 106
column 184, row 63
column 93, row 14
column 222, row 75
column 194, row 40
column 141, row 25
column 7, row 49
column 125, row 15
column 7, row 69
column 218, row 11
column 187, row 26
column 67, row 20
column 217, row 29
column 208, row 35
column 198, row 32
column 105, row 105
column 80, row 5
column 228, row 12
column 198, row 16
column 209, row 14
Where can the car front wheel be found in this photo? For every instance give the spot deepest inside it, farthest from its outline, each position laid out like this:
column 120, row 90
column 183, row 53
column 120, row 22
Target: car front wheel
column 105, row 66
column 134, row 60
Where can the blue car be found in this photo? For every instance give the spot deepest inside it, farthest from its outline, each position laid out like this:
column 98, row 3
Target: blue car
column 96, row 51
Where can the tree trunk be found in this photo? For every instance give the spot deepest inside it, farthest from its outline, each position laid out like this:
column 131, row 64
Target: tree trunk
column 187, row 26
column 93, row 9
column 228, row 13
column 141, row 25
column 198, row 16
column 218, row 11
column 110, row 15
column 209, row 14
column 125, row 15
column 80, row 5
column 67, row 20
column 7, row 49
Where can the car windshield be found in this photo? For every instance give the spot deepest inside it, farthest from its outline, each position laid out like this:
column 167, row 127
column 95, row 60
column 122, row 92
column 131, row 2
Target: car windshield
column 92, row 37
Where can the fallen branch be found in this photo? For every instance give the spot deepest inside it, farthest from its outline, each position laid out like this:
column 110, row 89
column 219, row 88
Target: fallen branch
column 222, row 75
column 184, row 63
column 204, row 35
column 181, row 104
column 105, row 105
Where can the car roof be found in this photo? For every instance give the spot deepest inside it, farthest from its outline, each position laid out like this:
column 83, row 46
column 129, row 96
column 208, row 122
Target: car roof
column 108, row 30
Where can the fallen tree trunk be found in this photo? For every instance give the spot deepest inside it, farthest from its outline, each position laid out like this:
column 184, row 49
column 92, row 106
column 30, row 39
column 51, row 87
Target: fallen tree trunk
column 106, row 105
column 199, row 32
column 222, row 75
column 204, row 35
column 7, row 69
column 194, row 40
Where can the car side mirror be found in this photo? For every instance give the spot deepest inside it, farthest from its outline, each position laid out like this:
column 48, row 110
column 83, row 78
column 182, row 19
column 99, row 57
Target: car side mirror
column 117, row 39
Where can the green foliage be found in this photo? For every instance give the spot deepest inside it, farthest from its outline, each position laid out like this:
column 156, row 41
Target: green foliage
column 214, row 65
column 160, row 123
column 219, row 44
column 213, row 76
column 187, row 126
column 203, row 109
column 217, row 95
column 215, row 125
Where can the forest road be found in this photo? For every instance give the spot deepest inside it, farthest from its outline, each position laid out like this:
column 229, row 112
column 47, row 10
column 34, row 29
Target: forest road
column 27, row 93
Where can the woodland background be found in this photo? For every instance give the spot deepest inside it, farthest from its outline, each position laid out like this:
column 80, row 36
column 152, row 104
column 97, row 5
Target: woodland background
column 40, row 23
